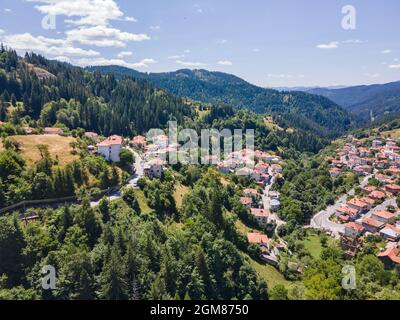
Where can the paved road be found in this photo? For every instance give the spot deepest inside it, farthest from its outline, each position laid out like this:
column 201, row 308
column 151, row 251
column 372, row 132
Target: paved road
column 321, row 219
column 139, row 173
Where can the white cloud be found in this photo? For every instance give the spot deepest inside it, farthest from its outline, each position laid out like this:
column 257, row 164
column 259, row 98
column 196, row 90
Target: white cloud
column 88, row 12
column 131, row 19
column 256, row 50
column 372, row 75
column 223, row 41
column 355, row 41
column 394, row 66
column 124, row 54
column 330, row 45
column 191, row 64
column 176, row 57
column 187, row 51
column 387, row 51
column 7, row 10
column 120, row 62
column 395, row 60
column 103, row 36
column 2, row 31
column 57, row 47
column 225, row 63
column 155, row 27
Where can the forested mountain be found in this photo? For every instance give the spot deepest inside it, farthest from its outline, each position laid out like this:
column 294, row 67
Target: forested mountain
column 292, row 109
column 379, row 100
column 58, row 92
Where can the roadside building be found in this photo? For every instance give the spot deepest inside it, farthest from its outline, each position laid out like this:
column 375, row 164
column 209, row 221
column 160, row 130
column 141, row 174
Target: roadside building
column 390, row 233
column 384, row 216
column 390, row 257
column 261, row 215
column 372, row 225
column 110, row 148
column 53, row 131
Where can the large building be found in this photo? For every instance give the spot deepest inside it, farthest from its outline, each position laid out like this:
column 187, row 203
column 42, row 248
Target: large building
column 110, row 148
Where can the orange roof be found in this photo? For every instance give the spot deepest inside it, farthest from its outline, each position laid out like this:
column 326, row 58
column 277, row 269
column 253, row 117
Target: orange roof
column 257, row 238
column 357, row 203
column 377, row 194
column 372, row 222
column 393, row 187
column 355, row 226
column 347, row 210
column 259, row 212
column 113, row 140
column 246, row 200
column 384, row 214
column 392, row 253
column 91, row 134
column 139, row 140
column 368, row 200
column 250, row 191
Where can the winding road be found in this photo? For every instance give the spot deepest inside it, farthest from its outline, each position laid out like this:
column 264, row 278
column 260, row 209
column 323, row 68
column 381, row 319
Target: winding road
column 139, row 173
column 321, row 219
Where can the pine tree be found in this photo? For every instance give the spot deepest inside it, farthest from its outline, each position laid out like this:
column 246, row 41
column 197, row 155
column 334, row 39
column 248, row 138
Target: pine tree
column 113, row 281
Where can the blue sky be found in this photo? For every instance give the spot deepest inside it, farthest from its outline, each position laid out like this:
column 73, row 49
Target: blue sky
column 266, row 42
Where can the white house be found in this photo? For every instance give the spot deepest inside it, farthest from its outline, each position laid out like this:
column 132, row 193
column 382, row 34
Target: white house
column 154, row 168
column 110, row 148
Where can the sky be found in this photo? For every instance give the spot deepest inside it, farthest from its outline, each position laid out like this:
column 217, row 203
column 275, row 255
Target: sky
column 266, row 42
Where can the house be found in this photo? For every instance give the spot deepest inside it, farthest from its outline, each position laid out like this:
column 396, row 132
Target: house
column 53, row 131
column 139, row 142
column 377, row 143
column 2, row 123
column 383, row 216
column 246, row 201
column 393, row 189
column 353, row 229
column 261, row 215
column 390, row 257
column 274, row 195
column 154, row 168
column 252, row 193
column 390, row 233
column 377, row 195
column 359, row 205
column 335, row 172
column 258, row 238
column 92, row 135
column 368, row 189
column 110, row 148
column 372, row 225
column 347, row 211
column 275, row 205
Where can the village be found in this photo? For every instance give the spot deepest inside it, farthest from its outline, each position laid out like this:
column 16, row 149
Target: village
column 371, row 208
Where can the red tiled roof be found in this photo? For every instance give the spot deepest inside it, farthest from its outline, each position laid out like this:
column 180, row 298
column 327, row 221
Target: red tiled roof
column 384, row 214
column 259, row 212
column 250, row 191
column 372, row 222
column 355, row 226
column 257, row 238
column 392, row 253
column 113, row 140
column 52, row 130
column 347, row 210
column 246, row 200
column 357, row 203
column 377, row 194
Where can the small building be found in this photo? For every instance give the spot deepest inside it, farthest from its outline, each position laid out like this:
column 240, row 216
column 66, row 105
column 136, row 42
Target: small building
column 53, row 131
column 154, row 168
column 377, row 195
column 359, row 205
column 390, row 233
column 274, row 195
column 252, row 193
column 383, row 216
column 246, row 201
column 261, row 215
column 390, row 257
column 110, row 148
column 139, row 142
column 372, row 225
column 28, row 130
column 92, row 135
column 353, row 229
column 393, row 189
column 275, row 205
column 258, row 238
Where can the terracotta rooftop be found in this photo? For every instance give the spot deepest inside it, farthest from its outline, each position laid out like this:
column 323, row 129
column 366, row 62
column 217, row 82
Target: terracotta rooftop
column 113, row 140
column 257, row 238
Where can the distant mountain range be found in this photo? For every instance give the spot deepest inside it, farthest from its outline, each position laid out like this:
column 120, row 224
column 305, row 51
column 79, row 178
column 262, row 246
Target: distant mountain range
column 301, row 110
column 378, row 102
